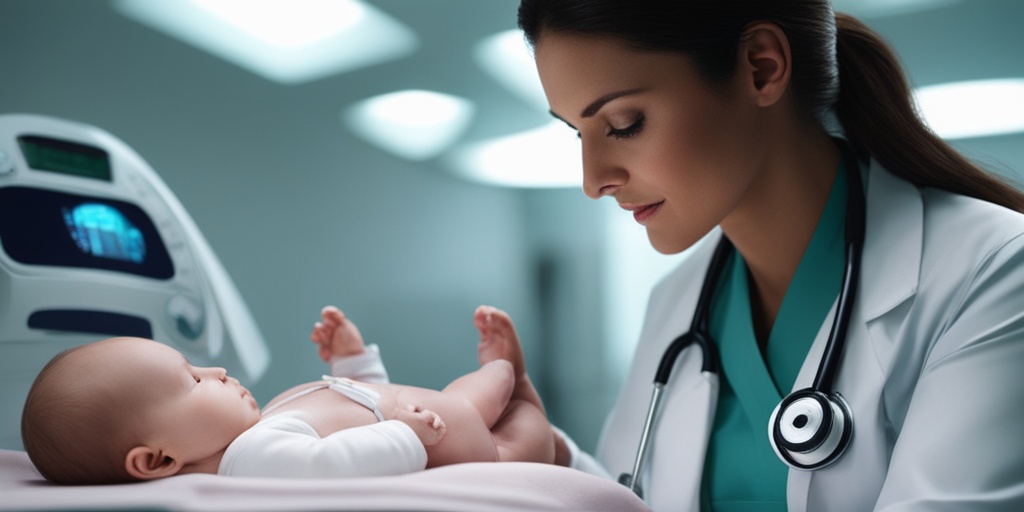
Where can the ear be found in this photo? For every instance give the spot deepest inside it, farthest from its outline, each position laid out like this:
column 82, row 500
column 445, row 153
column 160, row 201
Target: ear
column 765, row 62
column 146, row 463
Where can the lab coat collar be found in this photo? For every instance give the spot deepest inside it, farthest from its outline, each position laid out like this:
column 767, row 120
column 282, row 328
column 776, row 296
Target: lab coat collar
column 893, row 242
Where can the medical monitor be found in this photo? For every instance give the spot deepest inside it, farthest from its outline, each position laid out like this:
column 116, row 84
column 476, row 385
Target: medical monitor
column 93, row 244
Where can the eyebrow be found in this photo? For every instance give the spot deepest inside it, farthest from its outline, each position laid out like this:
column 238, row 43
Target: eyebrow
column 600, row 102
column 597, row 104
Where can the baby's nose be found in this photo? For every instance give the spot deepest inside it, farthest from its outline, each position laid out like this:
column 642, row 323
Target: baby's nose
column 219, row 373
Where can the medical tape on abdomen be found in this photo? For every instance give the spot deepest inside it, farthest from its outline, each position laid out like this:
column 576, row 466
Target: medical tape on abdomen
column 360, row 394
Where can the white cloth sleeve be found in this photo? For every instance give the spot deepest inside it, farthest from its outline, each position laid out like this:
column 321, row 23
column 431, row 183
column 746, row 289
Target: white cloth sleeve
column 365, row 367
column 284, row 446
column 581, row 460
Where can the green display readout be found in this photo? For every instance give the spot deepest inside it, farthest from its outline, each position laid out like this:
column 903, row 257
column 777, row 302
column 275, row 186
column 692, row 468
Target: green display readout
column 65, row 157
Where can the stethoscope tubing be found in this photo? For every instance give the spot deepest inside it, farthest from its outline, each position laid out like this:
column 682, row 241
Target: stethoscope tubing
column 855, row 228
column 632, row 480
column 695, row 335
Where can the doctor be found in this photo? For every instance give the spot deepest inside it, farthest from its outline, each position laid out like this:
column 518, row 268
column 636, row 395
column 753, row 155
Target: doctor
column 711, row 120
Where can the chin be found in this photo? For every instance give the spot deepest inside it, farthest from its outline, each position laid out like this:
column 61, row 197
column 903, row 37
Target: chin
column 668, row 245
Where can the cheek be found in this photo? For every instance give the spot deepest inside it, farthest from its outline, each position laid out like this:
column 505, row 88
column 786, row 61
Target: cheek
column 710, row 133
column 701, row 170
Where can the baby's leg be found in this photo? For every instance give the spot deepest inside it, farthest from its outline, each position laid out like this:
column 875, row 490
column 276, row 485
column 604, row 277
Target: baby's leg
column 524, row 434
column 498, row 340
column 488, row 389
column 336, row 336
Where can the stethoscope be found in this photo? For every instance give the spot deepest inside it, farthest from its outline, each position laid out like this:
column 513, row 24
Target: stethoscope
column 812, row 427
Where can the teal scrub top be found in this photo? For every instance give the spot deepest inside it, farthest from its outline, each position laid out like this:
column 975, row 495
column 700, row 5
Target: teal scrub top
column 741, row 471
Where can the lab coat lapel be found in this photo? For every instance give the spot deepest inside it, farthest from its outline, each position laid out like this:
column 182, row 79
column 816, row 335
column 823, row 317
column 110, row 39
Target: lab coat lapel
column 889, row 276
column 893, row 244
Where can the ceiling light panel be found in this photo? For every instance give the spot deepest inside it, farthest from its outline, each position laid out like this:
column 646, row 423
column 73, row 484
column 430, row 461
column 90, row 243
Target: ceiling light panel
column 413, row 124
column 286, row 41
column 546, row 157
column 976, row 108
column 507, row 58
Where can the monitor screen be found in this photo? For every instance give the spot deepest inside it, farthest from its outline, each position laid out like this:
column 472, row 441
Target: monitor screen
column 48, row 227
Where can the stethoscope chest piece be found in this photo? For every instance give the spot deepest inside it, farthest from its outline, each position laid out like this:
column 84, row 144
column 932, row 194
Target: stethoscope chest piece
column 810, row 429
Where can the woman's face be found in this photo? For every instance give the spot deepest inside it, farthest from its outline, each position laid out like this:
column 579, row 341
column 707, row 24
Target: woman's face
column 655, row 136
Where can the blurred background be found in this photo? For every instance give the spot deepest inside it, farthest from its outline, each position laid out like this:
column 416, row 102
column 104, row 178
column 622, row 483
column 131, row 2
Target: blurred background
column 407, row 170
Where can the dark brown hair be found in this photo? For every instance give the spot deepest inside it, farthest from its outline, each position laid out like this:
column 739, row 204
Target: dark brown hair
column 839, row 64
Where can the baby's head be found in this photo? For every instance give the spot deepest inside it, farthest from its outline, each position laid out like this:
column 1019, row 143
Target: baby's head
column 127, row 409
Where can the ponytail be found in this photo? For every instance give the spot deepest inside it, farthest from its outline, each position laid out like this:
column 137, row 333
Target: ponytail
column 877, row 112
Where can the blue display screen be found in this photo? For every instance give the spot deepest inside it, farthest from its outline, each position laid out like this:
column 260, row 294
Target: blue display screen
column 49, row 227
column 104, row 232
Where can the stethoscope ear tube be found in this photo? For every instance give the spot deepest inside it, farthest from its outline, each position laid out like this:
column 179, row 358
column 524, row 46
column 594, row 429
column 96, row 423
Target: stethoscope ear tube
column 632, row 480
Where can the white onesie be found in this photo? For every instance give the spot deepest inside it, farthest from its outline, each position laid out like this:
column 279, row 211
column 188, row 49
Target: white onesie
column 283, row 445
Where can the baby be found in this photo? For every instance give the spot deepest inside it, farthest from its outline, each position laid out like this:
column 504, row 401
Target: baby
column 128, row 409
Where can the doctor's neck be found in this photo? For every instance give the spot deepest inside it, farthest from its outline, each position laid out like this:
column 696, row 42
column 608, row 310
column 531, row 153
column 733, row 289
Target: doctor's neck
column 773, row 225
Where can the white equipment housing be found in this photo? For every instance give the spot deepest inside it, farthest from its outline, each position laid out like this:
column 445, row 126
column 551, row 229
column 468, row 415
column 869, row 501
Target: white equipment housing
column 93, row 244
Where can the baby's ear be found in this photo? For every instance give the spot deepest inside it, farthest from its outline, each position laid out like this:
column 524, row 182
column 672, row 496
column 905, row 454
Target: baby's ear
column 146, row 463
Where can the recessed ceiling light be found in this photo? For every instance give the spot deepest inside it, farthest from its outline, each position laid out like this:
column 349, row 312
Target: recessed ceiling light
column 547, row 157
column 977, row 108
column 413, row 124
column 508, row 59
column 879, row 8
column 287, row 41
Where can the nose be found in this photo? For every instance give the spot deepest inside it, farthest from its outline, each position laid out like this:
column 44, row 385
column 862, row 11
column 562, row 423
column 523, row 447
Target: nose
column 601, row 177
column 217, row 373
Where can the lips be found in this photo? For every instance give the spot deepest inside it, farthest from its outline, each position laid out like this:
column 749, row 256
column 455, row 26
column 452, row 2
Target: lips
column 643, row 212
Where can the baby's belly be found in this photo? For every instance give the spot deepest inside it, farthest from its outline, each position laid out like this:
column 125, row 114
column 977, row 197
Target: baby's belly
column 326, row 410
column 467, row 438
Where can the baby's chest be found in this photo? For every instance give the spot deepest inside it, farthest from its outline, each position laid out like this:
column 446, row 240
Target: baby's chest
column 327, row 411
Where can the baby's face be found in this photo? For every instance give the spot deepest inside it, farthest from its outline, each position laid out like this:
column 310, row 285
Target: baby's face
column 194, row 412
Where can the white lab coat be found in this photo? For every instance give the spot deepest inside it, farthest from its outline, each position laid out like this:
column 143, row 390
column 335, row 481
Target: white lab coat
column 933, row 368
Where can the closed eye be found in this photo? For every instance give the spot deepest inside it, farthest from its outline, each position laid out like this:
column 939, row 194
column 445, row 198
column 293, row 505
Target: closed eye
column 629, row 131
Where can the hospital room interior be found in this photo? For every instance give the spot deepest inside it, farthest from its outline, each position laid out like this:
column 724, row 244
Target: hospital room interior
column 394, row 158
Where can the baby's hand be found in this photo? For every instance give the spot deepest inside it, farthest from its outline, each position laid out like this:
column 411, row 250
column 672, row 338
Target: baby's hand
column 429, row 427
column 336, row 336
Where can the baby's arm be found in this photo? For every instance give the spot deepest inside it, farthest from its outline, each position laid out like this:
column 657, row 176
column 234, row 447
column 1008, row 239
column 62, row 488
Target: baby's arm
column 288, row 447
column 340, row 345
column 427, row 424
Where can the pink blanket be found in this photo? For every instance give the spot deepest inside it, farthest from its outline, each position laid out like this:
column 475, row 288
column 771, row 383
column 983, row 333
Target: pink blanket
column 470, row 487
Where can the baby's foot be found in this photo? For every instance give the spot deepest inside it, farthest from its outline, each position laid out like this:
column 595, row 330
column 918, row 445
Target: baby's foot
column 498, row 339
column 427, row 424
column 336, row 336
